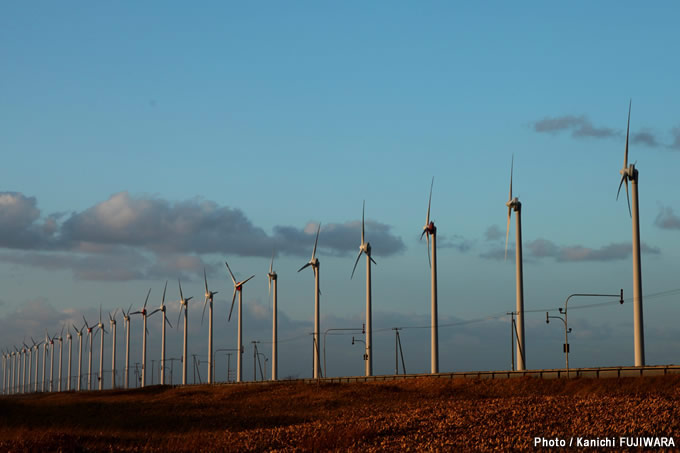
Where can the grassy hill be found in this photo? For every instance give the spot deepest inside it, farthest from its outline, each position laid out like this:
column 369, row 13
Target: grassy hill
column 418, row 414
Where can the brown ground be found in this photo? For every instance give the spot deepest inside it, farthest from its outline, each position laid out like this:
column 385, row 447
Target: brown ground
column 417, row 415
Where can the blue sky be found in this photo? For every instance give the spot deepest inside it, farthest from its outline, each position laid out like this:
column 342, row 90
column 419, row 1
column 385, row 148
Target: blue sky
column 144, row 141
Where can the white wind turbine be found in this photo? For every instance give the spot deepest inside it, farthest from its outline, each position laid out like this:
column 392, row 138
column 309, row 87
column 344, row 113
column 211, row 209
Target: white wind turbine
column 36, row 348
column 51, row 362
column 209, row 295
column 430, row 231
column 238, row 287
column 91, row 333
column 514, row 204
column 10, row 376
column 314, row 262
column 60, row 338
column 79, row 332
column 630, row 173
column 4, row 372
column 126, row 322
column 273, row 278
column 112, row 322
column 365, row 247
column 23, row 370
column 44, row 364
column 184, row 303
column 102, row 330
column 165, row 320
column 69, row 337
column 142, row 311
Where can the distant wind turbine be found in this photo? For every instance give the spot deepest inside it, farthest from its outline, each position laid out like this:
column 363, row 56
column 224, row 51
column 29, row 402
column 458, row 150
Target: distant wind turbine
column 238, row 288
column 314, row 262
column 184, row 303
column 630, row 173
column 365, row 247
column 91, row 333
column 102, row 331
column 209, row 296
column 60, row 338
column 513, row 204
column 69, row 337
column 142, row 311
column 165, row 321
column 79, row 332
column 44, row 364
column 126, row 322
column 430, row 231
column 36, row 348
column 112, row 322
column 273, row 281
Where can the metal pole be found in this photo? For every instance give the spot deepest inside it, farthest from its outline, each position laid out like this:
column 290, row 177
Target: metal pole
column 162, row 364
column 369, row 320
column 239, row 357
column 127, row 353
column 275, row 371
column 113, row 355
column 401, row 352
column 144, row 350
column 210, row 343
column 521, row 349
column 184, row 350
column 316, row 373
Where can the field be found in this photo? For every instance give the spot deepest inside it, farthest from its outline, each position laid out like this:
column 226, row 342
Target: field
column 416, row 415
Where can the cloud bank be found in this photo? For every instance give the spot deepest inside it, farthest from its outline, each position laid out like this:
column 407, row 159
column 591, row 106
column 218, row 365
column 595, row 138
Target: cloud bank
column 133, row 237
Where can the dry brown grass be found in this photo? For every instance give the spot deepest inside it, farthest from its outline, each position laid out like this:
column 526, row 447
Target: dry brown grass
column 413, row 415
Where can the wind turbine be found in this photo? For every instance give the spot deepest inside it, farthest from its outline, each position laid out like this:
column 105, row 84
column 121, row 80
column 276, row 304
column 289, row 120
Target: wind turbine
column 630, row 173
column 69, row 337
column 36, row 347
column 143, row 312
column 79, row 332
column 514, row 204
column 51, row 362
column 112, row 322
column 314, row 262
column 91, row 333
column 23, row 366
column 238, row 287
column 273, row 278
column 209, row 295
column 4, row 372
column 184, row 303
column 61, row 355
column 365, row 247
column 165, row 320
column 44, row 366
column 430, row 231
column 101, row 328
column 126, row 319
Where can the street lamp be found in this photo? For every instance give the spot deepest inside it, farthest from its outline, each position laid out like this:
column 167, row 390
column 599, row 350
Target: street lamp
column 566, row 319
column 324, row 343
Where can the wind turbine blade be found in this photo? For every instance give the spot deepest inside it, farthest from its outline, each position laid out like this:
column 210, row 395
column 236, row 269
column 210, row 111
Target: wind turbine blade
column 181, row 296
column 512, row 165
column 180, row 314
column 623, row 178
column 269, row 279
column 355, row 264
column 429, row 203
column 168, row 321
column 244, row 281
column 625, row 156
column 85, row 323
column 233, row 279
column 316, row 241
column 363, row 211
column 305, row 266
column 152, row 313
column 100, row 313
column 233, row 298
column 271, row 263
column 164, row 289
column 129, row 308
column 204, row 305
column 147, row 297
column 373, row 260
column 205, row 279
column 507, row 233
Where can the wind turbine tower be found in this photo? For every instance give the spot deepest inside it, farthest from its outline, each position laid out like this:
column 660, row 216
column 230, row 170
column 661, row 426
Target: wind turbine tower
column 430, row 231
column 126, row 322
column 273, row 281
column 69, row 337
column 79, row 332
column 514, row 204
column 365, row 247
column 314, row 262
column 102, row 330
column 165, row 321
column 90, row 335
column 238, row 288
column 112, row 322
column 143, row 312
column 184, row 303
column 209, row 296
column 630, row 173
